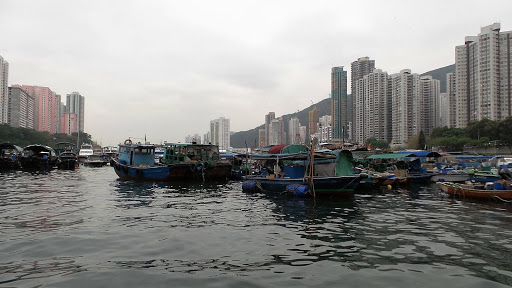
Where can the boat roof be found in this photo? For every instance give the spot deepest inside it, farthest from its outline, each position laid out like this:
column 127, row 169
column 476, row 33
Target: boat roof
column 38, row 147
column 391, row 156
column 10, row 146
column 187, row 144
column 420, row 153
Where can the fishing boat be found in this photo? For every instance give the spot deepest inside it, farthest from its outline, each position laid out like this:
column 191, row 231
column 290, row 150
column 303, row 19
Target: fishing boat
column 499, row 190
column 67, row 160
column 96, row 160
column 195, row 162
column 9, row 156
column 85, row 151
column 180, row 163
column 38, row 157
column 305, row 174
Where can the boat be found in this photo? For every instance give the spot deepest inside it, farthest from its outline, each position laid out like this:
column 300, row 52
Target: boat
column 195, row 162
column 67, row 160
column 38, row 157
column 180, row 163
column 84, row 152
column 9, row 156
column 499, row 190
column 96, row 160
column 451, row 175
column 110, row 151
column 305, row 174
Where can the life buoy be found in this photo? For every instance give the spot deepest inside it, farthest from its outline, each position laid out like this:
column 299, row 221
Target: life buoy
column 128, row 142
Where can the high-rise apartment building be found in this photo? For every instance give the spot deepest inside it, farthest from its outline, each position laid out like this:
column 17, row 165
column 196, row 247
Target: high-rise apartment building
column 220, row 134
column 46, row 106
column 339, row 102
column 268, row 119
column 303, row 134
column 20, row 112
column 443, row 106
column 4, row 92
column 427, row 105
column 75, row 103
column 363, row 66
column 483, row 76
column 371, row 107
column 404, row 98
column 277, row 135
column 261, row 137
column 293, row 131
column 313, row 121
column 69, row 123
column 451, row 116
column 196, row 138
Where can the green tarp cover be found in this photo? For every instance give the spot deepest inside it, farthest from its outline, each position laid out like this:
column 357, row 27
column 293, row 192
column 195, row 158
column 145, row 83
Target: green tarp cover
column 343, row 165
column 295, row 148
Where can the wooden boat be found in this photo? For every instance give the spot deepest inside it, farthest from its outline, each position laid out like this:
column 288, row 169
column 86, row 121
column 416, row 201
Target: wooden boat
column 38, row 157
column 67, row 160
column 9, row 156
column 483, row 192
column 180, row 163
column 333, row 176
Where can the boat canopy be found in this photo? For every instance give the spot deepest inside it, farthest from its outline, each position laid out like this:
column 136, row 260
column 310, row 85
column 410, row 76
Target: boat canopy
column 421, row 153
column 295, row 148
column 276, row 149
column 10, row 146
column 391, row 156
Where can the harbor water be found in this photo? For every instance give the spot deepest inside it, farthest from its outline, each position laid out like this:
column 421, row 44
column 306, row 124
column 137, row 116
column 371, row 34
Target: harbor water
column 86, row 228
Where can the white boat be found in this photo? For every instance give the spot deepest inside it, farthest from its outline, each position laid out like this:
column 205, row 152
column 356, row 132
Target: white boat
column 451, row 175
column 84, row 152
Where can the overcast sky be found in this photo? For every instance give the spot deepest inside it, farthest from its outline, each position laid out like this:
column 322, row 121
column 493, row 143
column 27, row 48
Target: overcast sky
column 166, row 68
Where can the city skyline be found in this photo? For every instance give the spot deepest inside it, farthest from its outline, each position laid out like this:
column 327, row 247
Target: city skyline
column 131, row 76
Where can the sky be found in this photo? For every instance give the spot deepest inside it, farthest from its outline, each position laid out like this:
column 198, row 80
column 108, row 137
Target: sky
column 165, row 69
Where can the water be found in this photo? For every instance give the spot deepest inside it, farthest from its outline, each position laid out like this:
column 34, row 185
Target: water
column 86, row 228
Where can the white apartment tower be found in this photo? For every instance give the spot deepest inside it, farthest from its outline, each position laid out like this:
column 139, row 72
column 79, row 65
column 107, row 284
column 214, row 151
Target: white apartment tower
column 219, row 133
column 428, row 96
column 483, row 76
column 371, row 107
column 443, row 106
column 293, row 131
column 363, row 66
column 4, row 92
column 404, row 98
column 451, row 116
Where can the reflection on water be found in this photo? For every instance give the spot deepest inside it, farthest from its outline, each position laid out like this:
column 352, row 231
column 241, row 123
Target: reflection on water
column 81, row 228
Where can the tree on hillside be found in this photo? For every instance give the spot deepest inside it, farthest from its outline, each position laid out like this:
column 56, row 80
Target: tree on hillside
column 421, row 141
column 374, row 143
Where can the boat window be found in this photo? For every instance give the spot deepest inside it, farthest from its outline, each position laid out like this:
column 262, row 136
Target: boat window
column 122, row 149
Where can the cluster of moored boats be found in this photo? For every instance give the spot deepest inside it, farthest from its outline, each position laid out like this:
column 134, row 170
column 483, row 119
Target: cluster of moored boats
column 299, row 170
column 38, row 157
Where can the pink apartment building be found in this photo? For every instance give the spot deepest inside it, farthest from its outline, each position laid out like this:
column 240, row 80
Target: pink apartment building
column 46, row 108
column 69, row 122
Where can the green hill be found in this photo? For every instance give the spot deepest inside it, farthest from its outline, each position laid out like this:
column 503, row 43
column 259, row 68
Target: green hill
column 239, row 139
column 440, row 74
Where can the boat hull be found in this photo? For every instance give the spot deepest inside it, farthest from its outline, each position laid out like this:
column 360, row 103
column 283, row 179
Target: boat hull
column 68, row 164
column 171, row 173
column 343, row 186
column 466, row 191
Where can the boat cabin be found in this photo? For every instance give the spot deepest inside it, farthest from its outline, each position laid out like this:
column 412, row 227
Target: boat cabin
column 136, row 154
column 186, row 152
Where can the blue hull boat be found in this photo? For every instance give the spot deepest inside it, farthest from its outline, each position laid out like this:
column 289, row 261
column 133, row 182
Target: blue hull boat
column 340, row 186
